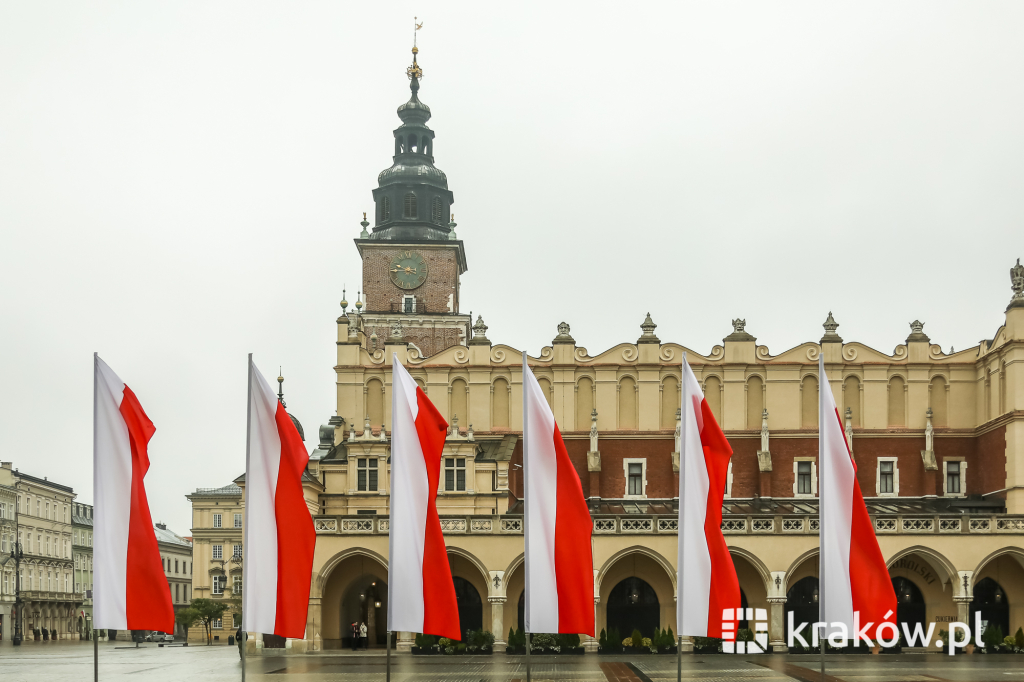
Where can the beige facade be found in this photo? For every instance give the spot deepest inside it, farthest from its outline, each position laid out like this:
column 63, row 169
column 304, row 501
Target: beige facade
column 176, row 558
column 215, row 567
column 8, row 535
column 47, row 570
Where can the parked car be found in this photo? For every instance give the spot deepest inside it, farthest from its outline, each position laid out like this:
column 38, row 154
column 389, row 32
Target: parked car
column 155, row 636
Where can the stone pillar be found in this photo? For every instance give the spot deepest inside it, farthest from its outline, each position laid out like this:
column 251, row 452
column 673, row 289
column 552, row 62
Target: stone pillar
column 405, row 641
column 314, row 623
column 777, row 625
column 589, row 643
column 498, row 620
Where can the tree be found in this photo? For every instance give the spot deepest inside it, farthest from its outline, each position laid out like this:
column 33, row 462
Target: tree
column 204, row 612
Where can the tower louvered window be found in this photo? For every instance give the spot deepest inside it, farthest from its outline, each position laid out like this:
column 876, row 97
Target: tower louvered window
column 410, row 206
column 435, row 211
column 385, row 208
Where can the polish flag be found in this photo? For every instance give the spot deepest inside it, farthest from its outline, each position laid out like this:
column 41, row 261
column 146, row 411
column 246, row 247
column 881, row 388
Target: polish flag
column 853, row 576
column 421, row 594
column 559, row 557
column 131, row 590
column 706, row 580
column 279, row 535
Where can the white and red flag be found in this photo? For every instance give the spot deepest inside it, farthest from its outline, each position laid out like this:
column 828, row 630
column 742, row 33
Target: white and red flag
column 131, row 590
column 279, row 535
column 421, row 594
column 559, row 556
column 706, row 581
column 853, row 576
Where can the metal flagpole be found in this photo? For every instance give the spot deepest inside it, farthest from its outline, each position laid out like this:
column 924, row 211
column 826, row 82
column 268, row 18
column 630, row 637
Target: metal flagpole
column 526, row 521
column 95, row 393
column 679, row 539
column 822, row 386
column 248, row 431
column 388, row 667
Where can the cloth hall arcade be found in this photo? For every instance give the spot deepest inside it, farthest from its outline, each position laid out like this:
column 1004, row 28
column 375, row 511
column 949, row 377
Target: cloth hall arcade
column 938, row 439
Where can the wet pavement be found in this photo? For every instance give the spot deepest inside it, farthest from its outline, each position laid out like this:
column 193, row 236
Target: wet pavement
column 72, row 662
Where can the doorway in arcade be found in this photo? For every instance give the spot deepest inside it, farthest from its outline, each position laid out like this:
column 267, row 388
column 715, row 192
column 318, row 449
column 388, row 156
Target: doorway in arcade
column 365, row 601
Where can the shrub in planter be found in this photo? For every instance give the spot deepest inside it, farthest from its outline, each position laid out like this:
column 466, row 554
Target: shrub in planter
column 613, row 642
column 481, row 641
column 425, row 644
column 569, row 644
column 637, row 638
column 542, row 642
column 1018, row 639
column 707, row 645
column 992, row 637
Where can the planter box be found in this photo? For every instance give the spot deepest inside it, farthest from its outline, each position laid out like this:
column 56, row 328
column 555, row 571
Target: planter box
column 416, row 651
column 515, row 651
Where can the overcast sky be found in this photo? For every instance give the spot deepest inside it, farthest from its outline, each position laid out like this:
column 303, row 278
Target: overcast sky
column 180, row 184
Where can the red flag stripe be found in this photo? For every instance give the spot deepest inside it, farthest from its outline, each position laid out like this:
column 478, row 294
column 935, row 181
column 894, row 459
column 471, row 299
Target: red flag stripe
column 574, row 563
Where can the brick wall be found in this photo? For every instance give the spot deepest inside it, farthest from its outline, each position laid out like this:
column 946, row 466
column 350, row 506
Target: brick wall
column 429, row 340
column 442, row 277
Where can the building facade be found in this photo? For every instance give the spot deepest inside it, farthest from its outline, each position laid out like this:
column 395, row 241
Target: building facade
column 176, row 557
column 49, row 599
column 217, row 556
column 81, row 550
column 8, row 536
column 938, row 439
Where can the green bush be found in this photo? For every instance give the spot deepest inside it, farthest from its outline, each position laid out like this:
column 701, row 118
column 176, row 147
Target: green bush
column 602, row 640
column 744, row 635
column 541, row 641
column 425, row 641
column 992, row 637
column 637, row 637
column 568, row 641
column 481, row 639
column 1018, row 639
column 706, row 645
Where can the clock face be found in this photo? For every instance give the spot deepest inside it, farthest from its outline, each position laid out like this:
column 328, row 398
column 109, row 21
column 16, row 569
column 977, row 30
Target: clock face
column 408, row 270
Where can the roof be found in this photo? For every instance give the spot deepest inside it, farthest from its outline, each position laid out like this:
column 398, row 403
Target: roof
column 170, row 537
column 230, row 490
column 77, row 520
column 43, row 481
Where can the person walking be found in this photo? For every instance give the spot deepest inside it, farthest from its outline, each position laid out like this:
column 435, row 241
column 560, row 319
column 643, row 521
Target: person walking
column 240, row 640
column 362, row 636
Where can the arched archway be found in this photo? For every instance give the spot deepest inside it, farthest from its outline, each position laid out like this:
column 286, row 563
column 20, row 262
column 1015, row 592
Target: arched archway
column 350, row 585
column 991, row 601
column 910, row 604
column 802, row 601
column 471, row 608
column 633, row 605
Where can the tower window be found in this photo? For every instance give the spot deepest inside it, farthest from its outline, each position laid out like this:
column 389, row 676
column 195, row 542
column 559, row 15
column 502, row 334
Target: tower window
column 366, row 474
column 435, row 211
column 952, row 478
column 385, row 208
column 410, row 206
column 408, row 304
column 803, row 478
column 455, row 473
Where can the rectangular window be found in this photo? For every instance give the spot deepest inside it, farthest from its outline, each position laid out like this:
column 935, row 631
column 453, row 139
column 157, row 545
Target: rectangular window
column 217, row 624
column 952, row 478
column 455, row 473
column 236, row 584
column 367, row 474
column 238, row 520
column 408, row 304
column 175, row 565
column 218, row 551
column 636, row 483
column 236, row 551
column 885, row 477
column 803, row 478
column 236, row 620
column 219, row 583
column 217, row 520
column 177, row 592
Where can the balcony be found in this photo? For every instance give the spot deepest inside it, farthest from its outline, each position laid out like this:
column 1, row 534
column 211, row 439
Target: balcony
column 51, row 597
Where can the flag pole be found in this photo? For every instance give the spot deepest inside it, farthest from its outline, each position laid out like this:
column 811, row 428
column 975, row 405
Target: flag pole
column 822, row 386
column 248, row 431
column 679, row 540
column 388, row 667
column 526, row 523
column 95, row 390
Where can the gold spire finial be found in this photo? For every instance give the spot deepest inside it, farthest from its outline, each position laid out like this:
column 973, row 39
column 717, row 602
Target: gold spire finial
column 415, row 72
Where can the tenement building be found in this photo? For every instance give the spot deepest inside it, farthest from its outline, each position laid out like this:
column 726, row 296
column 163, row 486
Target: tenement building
column 81, row 550
column 215, row 569
column 48, row 597
column 176, row 557
column 938, row 439
column 8, row 535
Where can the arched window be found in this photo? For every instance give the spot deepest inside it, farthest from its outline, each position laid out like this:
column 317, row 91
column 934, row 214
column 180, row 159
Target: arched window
column 669, row 402
column 851, row 399
column 584, row 403
column 409, row 206
column 435, row 211
column 545, row 387
column 375, row 402
column 809, row 402
column 412, row 143
column 500, row 404
column 755, row 402
column 938, row 402
column 459, row 403
column 385, row 208
column 425, row 145
column 897, row 406
column 713, row 394
column 627, row 403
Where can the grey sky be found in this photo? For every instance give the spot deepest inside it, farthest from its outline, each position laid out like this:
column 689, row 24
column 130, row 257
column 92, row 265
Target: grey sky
column 180, row 184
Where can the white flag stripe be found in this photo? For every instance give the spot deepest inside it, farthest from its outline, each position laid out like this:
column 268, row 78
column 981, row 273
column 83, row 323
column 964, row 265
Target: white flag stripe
column 410, row 496
column 835, row 488
column 694, row 559
column 259, row 598
column 540, row 471
column 112, row 490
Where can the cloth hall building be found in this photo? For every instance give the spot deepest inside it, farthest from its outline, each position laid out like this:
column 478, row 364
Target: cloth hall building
column 938, row 439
